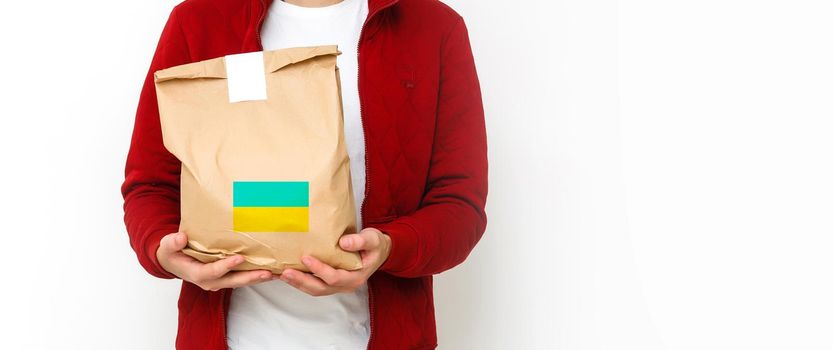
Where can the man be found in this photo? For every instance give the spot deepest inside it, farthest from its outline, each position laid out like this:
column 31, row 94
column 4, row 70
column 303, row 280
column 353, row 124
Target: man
column 415, row 128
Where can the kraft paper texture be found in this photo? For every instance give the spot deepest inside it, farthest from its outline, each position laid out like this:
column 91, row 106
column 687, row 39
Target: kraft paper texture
column 266, row 179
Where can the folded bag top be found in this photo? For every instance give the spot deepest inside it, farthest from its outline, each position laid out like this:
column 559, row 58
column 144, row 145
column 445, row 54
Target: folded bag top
column 267, row 179
column 272, row 60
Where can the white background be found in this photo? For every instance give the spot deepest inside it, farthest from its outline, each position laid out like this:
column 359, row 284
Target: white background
column 660, row 177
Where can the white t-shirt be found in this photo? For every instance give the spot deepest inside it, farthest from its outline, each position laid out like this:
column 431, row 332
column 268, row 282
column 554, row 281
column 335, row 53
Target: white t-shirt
column 275, row 315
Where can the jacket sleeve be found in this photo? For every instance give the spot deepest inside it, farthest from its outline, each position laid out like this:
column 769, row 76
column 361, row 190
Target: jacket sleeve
column 451, row 217
column 151, row 185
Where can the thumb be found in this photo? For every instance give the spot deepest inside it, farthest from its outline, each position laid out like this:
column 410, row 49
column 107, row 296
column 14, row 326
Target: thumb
column 351, row 242
column 366, row 240
column 173, row 242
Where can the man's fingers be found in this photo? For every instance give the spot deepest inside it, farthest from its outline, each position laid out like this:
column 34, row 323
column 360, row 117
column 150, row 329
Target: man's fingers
column 219, row 268
column 326, row 272
column 349, row 242
column 168, row 244
column 365, row 240
column 237, row 279
column 180, row 241
column 173, row 242
column 325, row 279
column 368, row 257
column 306, row 283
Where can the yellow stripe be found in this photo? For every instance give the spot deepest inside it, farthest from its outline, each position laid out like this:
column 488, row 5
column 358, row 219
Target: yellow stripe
column 271, row 219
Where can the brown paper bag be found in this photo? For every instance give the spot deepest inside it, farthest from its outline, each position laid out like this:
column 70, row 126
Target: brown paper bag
column 266, row 179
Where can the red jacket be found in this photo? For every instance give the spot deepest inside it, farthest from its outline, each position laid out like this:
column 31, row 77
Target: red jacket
column 426, row 157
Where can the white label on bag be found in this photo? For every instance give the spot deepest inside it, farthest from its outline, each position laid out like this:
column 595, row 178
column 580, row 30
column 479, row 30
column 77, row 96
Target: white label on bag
column 246, row 77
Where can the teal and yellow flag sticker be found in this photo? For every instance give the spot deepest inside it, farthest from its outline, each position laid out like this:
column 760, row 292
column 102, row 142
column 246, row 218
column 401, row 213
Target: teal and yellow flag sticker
column 271, row 206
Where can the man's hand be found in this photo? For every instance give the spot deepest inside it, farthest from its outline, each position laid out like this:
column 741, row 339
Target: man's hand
column 212, row 276
column 372, row 245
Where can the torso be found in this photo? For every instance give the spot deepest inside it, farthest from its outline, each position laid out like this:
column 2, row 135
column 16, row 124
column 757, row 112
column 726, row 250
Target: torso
column 274, row 314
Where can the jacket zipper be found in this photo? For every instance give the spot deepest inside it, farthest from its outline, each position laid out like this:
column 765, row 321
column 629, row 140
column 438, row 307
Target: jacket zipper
column 370, row 301
column 223, row 318
column 366, row 170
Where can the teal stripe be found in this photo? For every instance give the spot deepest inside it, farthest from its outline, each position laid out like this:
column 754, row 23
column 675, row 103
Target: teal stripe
column 271, row 194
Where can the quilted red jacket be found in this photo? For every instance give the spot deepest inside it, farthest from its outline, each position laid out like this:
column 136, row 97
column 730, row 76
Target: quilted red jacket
column 426, row 157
